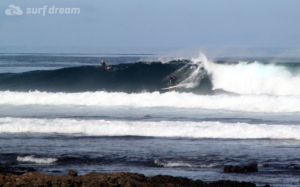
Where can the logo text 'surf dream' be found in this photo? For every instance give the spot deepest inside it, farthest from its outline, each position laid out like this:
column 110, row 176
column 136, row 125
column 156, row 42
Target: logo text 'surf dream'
column 15, row 10
column 52, row 10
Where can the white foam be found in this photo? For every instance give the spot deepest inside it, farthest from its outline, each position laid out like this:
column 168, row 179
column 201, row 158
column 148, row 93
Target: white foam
column 252, row 78
column 149, row 128
column 33, row 159
column 243, row 103
column 181, row 164
column 172, row 164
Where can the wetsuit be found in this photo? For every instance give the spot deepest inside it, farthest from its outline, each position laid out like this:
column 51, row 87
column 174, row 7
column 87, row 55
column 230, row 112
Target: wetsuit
column 172, row 80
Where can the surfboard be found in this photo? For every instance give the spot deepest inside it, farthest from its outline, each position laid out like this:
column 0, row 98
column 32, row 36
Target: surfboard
column 169, row 87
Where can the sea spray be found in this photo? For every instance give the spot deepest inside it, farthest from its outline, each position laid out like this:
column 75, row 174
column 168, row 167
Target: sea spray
column 197, row 73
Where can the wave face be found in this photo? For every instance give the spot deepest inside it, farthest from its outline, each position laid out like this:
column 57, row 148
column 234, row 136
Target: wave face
column 128, row 78
column 197, row 75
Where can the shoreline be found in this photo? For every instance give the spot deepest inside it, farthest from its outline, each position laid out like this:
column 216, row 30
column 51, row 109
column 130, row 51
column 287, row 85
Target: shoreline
column 122, row 179
column 9, row 177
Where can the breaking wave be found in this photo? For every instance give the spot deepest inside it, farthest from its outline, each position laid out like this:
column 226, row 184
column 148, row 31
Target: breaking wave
column 243, row 103
column 33, row 159
column 187, row 129
column 197, row 75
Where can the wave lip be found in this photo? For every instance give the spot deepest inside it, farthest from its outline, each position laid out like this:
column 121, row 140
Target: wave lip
column 33, row 159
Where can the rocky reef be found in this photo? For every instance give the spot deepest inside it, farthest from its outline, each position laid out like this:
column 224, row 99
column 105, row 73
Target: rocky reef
column 15, row 176
column 36, row 179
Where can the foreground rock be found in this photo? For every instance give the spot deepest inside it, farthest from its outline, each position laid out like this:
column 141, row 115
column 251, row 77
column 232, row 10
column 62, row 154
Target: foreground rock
column 37, row 179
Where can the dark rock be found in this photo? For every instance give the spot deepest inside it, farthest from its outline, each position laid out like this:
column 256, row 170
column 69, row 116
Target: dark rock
column 227, row 183
column 72, row 173
column 240, row 169
column 181, row 181
column 109, row 180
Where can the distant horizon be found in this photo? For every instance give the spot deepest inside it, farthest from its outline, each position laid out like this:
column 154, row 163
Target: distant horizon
column 99, row 51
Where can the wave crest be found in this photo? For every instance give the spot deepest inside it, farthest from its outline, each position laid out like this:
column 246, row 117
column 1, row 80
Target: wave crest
column 33, row 159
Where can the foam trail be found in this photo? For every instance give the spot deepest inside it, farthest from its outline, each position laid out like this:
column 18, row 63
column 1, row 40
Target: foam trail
column 173, row 164
column 147, row 128
column 181, row 164
column 33, row 159
column 245, row 103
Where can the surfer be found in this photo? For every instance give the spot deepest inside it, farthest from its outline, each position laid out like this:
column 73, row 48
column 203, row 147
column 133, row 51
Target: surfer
column 172, row 80
column 104, row 65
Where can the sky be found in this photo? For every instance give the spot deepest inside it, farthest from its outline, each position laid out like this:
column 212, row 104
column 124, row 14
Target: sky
column 151, row 23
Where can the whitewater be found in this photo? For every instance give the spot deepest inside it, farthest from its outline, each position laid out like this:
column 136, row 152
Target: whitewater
column 247, row 103
column 66, row 112
column 187, row 129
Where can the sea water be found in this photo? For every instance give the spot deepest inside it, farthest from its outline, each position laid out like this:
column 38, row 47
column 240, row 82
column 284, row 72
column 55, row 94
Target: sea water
column 59, row 110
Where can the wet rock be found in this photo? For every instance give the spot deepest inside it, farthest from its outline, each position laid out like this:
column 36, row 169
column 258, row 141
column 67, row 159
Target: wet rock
column 181, row 181
column 240, row 169
column 72, row 173
column 109, row 180
column 227, row 183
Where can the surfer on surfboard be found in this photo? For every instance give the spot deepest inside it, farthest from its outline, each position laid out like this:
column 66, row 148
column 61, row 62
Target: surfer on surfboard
column 172, row 80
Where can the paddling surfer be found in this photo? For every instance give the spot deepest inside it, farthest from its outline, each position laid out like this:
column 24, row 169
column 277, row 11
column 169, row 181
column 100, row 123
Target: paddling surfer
column 104, row 65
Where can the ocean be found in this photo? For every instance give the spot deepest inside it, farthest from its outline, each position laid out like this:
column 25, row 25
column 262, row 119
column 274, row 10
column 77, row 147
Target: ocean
column 60, row 110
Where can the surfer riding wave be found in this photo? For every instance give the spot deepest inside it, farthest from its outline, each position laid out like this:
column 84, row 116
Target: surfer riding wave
column 172, row 80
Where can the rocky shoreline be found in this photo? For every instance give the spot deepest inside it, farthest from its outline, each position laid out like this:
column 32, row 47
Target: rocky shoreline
column 36, row 179
column 9, row 177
